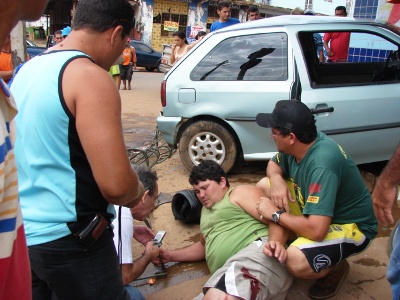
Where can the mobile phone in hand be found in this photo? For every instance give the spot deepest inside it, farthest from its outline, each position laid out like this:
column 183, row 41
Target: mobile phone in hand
column 159, row 237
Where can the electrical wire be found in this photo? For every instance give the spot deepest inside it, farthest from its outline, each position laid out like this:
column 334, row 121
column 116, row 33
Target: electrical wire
column 151, row 153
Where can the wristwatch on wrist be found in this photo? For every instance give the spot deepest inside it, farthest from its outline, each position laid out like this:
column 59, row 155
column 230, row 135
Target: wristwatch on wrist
column 276, row 215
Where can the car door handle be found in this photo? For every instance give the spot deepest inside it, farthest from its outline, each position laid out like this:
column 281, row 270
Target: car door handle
column 322, row 110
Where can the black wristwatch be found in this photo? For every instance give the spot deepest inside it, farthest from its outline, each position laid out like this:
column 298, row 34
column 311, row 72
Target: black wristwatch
column 276, row 215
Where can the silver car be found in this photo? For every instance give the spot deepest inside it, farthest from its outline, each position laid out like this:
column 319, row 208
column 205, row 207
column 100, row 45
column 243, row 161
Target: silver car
column 212, row 95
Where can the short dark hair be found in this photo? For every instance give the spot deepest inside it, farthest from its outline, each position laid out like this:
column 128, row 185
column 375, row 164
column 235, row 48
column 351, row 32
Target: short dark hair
column 147, row 177
column 341, row 8
column 58, row 32
column 223, row 4
column 101, row 15
column 207, row 170
column 253, row 9
column 305, row 137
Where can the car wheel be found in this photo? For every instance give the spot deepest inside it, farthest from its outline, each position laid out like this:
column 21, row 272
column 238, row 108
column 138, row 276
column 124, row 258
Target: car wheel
column 150, row 69
column 159, row 67
column 207, row 140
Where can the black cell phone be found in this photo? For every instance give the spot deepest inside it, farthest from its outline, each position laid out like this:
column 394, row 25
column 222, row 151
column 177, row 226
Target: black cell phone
column 92, row 231
column 159, row 237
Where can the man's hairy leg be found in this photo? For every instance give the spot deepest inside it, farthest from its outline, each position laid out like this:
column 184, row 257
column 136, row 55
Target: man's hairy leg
column 216, row 294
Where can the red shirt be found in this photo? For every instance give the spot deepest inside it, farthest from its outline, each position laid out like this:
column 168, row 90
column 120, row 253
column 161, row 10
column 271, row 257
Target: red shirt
column 339, row 45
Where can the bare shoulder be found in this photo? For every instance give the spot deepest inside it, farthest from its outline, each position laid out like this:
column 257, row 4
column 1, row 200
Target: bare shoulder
column 86, row 69
column 245, row 193
column 84, row 79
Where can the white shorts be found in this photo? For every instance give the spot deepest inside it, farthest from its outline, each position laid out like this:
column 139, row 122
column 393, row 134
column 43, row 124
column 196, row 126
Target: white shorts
column 250, row 274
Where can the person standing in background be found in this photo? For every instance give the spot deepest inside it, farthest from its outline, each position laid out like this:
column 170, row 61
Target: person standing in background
column 15, row 274
column 336, row 44
column 6, row 67
column 253, row 13
column 65, row 32
column 116, row 75
column 317, row 39
column 125, row 68
column 58, row 38
column 224, row 13
column 181, row 46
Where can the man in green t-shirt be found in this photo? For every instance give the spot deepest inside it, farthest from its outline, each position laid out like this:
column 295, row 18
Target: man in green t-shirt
column 315, row 190
column 232, row 240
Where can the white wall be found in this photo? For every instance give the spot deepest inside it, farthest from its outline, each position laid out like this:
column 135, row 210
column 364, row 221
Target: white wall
column 41, row 22
column 319, row 6
column 327, row 8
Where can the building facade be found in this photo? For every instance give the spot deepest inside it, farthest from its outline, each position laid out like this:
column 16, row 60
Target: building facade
column 157, row 19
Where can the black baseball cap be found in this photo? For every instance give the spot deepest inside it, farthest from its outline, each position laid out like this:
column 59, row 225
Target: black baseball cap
column 289, row 114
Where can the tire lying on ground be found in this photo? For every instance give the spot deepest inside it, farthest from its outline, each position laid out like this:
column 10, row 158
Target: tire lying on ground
column 207, row 140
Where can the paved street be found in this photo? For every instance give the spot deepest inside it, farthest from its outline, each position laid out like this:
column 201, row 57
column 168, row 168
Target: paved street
column 140, row 107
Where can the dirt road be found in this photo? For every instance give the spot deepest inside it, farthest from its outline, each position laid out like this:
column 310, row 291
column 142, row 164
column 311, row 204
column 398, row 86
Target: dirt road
column 140, row 108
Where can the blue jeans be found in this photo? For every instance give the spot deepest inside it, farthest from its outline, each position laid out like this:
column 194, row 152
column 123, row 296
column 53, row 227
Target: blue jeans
column 66, row 269
column 393, row 271
column 134, row 293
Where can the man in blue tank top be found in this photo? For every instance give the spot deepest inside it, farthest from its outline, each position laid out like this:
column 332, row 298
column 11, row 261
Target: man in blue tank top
column 72, row 162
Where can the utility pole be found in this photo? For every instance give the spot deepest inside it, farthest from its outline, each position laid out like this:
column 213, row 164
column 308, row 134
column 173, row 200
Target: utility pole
column 18, row 45
column 308, row 5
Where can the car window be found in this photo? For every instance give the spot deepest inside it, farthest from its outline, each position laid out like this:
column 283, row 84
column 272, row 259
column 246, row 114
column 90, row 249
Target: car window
column 368, row 59
column 141, row 47
column 261, row 57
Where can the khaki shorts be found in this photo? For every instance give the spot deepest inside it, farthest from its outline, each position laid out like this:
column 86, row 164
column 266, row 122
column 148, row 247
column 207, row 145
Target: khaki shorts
column 250, row 274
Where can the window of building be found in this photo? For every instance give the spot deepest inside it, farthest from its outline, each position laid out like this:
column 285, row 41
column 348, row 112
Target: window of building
column 261, row 57
column 181, row 19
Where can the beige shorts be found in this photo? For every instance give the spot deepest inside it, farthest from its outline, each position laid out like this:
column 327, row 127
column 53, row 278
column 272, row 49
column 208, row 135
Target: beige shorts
column 250, row 274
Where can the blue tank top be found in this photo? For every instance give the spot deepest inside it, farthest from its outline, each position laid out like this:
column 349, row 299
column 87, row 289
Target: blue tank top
column 56, row 184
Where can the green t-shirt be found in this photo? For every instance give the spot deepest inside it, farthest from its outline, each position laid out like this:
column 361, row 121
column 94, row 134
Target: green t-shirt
column 327, row 182
column 227, row 229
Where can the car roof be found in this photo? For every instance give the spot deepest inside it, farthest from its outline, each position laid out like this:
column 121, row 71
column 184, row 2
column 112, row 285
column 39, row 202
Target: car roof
column 296, row 20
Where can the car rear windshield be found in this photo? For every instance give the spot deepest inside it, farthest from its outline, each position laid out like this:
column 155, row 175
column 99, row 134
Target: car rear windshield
column 257, row 57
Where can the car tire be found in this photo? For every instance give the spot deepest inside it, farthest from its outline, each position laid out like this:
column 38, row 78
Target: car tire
column 150, row 69
column 207, row 140
column 159, row 67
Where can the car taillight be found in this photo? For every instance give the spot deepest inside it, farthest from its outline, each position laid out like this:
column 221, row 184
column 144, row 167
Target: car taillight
column 163, row 93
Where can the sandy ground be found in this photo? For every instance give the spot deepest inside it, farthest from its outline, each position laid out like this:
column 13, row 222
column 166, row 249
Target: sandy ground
column 140, row 108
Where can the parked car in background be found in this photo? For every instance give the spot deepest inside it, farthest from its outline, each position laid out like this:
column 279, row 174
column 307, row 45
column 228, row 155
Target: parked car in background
column 34, row 50
column 166, row 54
column 146, row 56
column 211, row 96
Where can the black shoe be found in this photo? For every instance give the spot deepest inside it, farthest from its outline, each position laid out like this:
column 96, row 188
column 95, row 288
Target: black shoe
column 328, row 286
